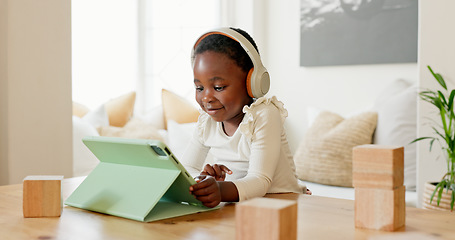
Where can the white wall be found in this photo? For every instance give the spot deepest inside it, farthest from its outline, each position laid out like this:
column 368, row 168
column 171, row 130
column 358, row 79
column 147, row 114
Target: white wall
column 437, row 49
column 35, row 89
column 342, row 89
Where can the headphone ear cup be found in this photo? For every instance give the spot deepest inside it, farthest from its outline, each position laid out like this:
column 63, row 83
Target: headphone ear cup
column 249, row 83
column 257, row 83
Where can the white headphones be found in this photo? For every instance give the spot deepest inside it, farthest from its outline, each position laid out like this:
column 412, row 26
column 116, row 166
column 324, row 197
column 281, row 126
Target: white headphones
column 258, row 79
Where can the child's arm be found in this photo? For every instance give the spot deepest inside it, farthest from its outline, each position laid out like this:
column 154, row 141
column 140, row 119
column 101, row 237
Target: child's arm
column 211, row 192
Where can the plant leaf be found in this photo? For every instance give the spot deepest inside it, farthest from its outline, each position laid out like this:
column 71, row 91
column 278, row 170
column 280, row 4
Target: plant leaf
column 441, row 80
column 438, row 78
column 442, row 97
column 442, row 114
column 441, row 189
column 438, row 103
column 431, row 143
column 434, row 192
column 428, row 97
column 452, row 95
column 421, row 138
column 438, row 133
column 453, row 200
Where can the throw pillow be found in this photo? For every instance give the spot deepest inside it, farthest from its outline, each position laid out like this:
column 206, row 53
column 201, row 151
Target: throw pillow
column 79, row 109
column 397, row 124
column 83, row 159
column 120, row 109
column 177, row 108
column 325, row 154
column 153, row 116
column 179, row 136
column 97, row 117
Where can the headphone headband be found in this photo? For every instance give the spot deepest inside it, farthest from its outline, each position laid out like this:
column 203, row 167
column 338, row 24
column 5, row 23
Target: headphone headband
column 258, row 80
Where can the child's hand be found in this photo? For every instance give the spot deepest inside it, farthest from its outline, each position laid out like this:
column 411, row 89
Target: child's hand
column 216, row 171
column 207, row 191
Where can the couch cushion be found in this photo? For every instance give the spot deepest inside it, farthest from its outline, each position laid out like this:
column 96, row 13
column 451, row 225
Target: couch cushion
column 325, row 154
column 177, row 109
column 397, row 123
column 120, row 109
column 80, row 110
column 135, row 128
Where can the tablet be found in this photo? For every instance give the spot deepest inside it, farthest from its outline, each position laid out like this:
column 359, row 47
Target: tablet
column 139, row 179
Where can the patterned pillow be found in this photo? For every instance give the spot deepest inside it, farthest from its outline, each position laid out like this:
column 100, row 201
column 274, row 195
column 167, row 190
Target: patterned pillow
column 325, row 154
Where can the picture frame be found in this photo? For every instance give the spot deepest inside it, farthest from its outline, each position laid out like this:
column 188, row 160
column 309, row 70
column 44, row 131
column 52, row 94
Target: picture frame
column 354, row 32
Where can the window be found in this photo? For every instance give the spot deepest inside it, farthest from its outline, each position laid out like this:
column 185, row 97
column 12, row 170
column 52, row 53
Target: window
column 143, row 46
column 170, row 29
column 104, row 49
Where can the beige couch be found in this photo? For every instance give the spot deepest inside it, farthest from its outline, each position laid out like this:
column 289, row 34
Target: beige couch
column 323, row 159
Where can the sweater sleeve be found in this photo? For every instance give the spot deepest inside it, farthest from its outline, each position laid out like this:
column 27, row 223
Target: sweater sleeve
column 265, row 128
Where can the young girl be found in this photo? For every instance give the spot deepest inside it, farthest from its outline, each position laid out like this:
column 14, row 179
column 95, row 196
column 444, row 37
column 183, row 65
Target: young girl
column 240, row 128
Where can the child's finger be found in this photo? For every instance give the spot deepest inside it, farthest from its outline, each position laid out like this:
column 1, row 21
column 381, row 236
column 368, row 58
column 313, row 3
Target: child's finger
column 226, row 169
column 204, row 183
column 200, row 177
column 207, row 191
column 218, row 171
column 208, row 202
column 211, row 204
column 209, row 170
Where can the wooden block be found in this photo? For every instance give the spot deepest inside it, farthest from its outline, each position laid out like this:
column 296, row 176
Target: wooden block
column 376, row 166
column 266, row 218
column 380, row 209
column 42, row 196
column 406, row 236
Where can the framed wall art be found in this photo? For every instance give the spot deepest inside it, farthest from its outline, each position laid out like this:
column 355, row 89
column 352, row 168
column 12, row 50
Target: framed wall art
column 352, row 32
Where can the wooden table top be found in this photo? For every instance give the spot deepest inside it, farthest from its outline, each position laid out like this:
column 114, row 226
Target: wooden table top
column 318, row 218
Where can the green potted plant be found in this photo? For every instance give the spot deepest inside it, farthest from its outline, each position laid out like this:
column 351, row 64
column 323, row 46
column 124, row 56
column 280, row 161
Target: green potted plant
column 444, row 136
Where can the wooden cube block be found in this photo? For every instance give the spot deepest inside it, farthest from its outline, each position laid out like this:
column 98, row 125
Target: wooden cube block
column 266, row 218
column 380, row 209
column 376, row 166
column 42, row 196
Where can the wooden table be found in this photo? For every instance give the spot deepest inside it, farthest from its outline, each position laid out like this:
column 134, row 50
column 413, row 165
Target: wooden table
column 318, row 218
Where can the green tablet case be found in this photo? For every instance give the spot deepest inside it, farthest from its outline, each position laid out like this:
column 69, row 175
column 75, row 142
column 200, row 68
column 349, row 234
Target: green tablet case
column 138, row 179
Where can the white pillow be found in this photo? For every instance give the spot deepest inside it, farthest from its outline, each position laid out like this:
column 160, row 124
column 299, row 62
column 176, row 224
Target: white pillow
column 397, row 123
column 179, row 136
column 135, row 128
column 83, row 160
column 97, row 117
column 153, row 117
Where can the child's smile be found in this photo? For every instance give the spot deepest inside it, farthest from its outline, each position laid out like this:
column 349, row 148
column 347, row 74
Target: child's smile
column 220, row 88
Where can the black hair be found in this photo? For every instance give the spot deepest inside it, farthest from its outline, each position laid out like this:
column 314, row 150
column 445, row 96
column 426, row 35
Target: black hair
column 226, row 45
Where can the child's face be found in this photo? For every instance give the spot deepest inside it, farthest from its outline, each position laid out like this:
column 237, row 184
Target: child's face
column 220, row 87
